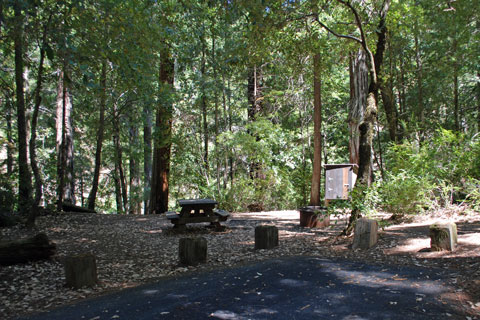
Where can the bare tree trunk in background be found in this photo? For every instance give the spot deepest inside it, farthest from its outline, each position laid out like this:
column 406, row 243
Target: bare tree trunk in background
column 134, row 182
column 217, row 122
column 100, row 134
column 11, row 143
column 418, row 60
column 24, row 176
column 147, row 158
column 255, row 108
column 478, row 98
column 163, row 134
column 317, row 132
column 388, row 98
column 119, row 160
column 357, row 103
column 203, row 104
column 60, row 130
column 33, row 156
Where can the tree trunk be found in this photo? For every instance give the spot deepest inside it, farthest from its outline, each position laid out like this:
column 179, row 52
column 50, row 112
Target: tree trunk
column 11, row 143
column 358, row 99
column 317, row 132
column 24, row 176
column 163, row 134
column 418, row 60
column 478, row 101
column 203, row 103
column 64, row 126
column 25, row 250
column 100, row 134
column 134, row 182
column 254, row 110
column 365, row 175
column 119, row 162
column 147, row 158
column 217, row 122
column 386, row 90
column 33, row 136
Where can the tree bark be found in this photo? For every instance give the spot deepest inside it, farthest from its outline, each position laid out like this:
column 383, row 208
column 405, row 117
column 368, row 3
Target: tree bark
column 100, row 134
column 147, row 158
column 122, row 186
column 134, row 182
column 254, row 110
column 24, row 176
column 163, row 134
column 33, row 135
column 21, row 251
column 419, row 71
column 317, row 132
column 10, row 141
column 203, row 104
column 357, row 103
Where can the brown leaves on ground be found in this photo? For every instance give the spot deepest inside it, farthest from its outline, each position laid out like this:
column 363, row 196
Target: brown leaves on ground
column 133, row 250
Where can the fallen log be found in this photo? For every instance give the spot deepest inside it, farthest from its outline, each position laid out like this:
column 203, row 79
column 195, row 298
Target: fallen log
column 25, row 250
column 73, row 208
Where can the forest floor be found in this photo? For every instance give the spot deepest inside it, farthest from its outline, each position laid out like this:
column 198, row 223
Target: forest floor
column 133, row 250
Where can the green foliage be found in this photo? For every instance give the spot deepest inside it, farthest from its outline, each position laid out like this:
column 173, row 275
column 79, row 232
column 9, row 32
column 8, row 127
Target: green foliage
column 430, row 175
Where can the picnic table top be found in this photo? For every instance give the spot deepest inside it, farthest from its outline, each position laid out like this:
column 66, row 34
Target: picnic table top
column 187, row 202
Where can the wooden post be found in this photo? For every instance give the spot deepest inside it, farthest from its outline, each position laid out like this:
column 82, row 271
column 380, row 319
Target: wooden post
column 366, row 234
column 443, row 236
column 266, row 237
column 81, row 271
column 192, row 251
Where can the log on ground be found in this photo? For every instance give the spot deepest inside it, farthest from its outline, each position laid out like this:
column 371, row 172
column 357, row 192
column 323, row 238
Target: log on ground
column 36, row 248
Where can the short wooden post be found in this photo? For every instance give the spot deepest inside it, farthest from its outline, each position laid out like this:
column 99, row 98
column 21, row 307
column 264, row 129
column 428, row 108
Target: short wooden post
column 366, row 234
column 266, row 237
column 443, row 236
column 81, row 270
column 192, row 251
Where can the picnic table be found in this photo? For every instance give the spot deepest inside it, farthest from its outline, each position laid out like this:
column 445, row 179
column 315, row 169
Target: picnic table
column 196, row 211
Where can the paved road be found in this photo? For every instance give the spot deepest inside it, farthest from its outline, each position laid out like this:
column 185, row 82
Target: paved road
column 287, row 288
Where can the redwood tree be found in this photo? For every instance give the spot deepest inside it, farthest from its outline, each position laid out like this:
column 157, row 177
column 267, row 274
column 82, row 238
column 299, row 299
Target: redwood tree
column 163, row 134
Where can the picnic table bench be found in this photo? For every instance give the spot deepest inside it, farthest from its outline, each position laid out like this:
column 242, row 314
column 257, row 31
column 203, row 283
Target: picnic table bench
column 196, row 211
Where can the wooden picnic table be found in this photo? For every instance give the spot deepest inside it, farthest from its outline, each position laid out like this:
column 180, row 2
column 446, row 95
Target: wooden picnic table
column 196, row 211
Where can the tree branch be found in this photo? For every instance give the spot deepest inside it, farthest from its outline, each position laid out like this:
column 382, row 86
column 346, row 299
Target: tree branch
column 335, row 33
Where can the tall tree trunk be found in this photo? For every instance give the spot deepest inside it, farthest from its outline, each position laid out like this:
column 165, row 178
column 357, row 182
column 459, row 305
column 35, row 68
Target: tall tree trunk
column 203, row 104
column 11, row 143
column 100, row 134
column 478, row 98
column 418, row 61
column 147, row 158
column 134, row 182
column 217, row 123
column 386, row 90
column 119, row 160
column 367, row 127
column 60, row 130
column 357, row 103
column 163, row 134
column 317, row 132
column 255, row 107
column 33, row 135
column 64, row 140
column 24, row 176
column 69, row 195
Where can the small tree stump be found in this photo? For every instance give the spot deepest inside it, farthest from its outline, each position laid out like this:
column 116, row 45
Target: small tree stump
column 443, row 236
column 192, row 251
column 81, row 271
column 366, row 234
column 266, row 237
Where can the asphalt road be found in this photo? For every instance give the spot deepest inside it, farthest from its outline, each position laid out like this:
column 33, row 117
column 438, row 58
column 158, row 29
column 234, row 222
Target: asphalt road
column 287, row 288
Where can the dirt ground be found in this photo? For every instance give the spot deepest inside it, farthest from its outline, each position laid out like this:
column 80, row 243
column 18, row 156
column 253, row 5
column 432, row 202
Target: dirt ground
column 133, row 250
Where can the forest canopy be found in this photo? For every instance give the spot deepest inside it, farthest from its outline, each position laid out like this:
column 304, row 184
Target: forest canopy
column 128, row 106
